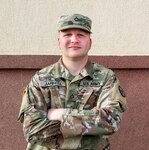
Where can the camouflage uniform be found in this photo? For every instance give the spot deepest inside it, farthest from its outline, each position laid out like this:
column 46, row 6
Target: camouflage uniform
column 94, row 103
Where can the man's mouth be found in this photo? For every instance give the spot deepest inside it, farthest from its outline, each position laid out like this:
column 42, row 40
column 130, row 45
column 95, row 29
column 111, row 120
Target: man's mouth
column 75, row 47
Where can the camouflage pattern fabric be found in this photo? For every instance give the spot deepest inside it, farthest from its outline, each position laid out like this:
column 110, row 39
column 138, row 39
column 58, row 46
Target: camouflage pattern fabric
column 74, row 21
column 93, row 100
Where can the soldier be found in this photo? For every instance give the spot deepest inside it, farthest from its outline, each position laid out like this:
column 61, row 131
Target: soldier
column 74, row 104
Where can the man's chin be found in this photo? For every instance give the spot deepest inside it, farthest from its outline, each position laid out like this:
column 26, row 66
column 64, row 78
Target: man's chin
column 78, row 57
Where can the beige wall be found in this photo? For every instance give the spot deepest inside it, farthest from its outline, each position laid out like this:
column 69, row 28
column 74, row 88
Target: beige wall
column 120, row 27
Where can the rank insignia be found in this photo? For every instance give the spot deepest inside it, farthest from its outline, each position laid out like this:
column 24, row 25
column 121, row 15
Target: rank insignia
column 76, row 19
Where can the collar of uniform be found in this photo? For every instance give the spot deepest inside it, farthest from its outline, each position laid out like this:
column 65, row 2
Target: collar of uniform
column 62, row 72
column 87, row 70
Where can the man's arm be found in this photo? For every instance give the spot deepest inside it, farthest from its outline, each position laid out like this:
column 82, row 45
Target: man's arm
column 37, row 127
column 104, row 119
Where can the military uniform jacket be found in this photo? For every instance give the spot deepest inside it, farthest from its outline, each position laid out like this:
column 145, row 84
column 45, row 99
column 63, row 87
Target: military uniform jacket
column 93, row 100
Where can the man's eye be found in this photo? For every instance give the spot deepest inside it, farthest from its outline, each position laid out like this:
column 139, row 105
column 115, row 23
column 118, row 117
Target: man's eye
column 67, row 35
column 80, row 35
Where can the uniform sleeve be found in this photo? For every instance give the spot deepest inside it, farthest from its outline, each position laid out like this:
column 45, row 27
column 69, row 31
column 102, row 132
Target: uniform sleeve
column 104, row 119
column 37, row 127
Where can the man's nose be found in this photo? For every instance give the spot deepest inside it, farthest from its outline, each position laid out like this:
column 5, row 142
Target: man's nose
column 74, row 39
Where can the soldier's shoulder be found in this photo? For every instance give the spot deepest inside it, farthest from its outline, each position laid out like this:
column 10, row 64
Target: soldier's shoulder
column 47, row 69
column 102, row 69
column 46, row 72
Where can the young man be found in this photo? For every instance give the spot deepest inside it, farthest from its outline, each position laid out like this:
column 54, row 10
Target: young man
column 73, row 104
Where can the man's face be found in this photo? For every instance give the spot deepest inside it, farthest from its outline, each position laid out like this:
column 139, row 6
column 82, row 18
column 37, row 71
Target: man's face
column 74, row 43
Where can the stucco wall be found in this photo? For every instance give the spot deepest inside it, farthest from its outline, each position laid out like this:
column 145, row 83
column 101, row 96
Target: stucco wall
column 120, row 27
column 133, row 72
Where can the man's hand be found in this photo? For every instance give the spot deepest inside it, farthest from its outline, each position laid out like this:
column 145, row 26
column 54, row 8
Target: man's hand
column 55, row 114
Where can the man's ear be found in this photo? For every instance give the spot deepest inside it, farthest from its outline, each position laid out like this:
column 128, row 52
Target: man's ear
column 58, row 43
column 90, row 43
column 58, row 40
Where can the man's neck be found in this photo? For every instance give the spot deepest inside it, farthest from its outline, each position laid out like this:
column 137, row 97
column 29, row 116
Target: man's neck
column 74, row 65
